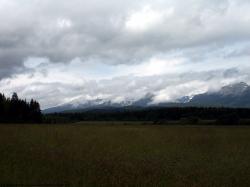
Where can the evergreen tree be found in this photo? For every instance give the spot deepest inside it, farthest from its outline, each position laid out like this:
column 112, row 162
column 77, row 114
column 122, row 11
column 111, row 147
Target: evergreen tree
column 15, row 110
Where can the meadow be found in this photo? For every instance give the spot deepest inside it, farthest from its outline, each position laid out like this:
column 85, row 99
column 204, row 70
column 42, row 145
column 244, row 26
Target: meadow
column 116, row 154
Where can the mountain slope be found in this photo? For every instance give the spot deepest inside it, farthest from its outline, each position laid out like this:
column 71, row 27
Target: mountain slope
column 234, row 95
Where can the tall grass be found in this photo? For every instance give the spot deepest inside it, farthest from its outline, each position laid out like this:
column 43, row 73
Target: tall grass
column 116, row 155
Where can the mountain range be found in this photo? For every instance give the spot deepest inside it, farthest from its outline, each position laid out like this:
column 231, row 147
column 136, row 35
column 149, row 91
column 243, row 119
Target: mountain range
column 234, row 95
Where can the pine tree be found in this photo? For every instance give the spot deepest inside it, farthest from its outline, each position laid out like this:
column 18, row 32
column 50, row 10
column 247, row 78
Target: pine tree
column 15, row 110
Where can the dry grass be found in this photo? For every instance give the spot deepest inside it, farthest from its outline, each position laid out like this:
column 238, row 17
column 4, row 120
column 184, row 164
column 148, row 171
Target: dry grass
column 131, row 155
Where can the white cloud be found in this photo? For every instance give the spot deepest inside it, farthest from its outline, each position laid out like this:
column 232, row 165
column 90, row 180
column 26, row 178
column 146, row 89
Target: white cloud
column 59, row 50
column 139, row 21
column 64, row 23
column 54, row 84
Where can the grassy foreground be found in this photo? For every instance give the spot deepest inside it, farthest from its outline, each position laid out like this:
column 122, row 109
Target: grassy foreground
column 119, row 155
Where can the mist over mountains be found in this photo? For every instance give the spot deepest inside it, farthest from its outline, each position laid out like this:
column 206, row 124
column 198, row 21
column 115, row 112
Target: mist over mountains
column 234, row 95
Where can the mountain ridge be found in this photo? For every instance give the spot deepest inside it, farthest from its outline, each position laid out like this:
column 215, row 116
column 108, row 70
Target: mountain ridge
column 235, row 95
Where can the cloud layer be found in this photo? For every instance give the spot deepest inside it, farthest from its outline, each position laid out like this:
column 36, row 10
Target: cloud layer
column 45, row 46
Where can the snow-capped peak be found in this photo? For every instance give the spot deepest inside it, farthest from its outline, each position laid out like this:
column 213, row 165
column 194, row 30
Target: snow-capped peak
column 234, row 89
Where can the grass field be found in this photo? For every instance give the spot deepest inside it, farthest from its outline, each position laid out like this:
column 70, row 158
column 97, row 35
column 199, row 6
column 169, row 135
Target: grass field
column 124, row 155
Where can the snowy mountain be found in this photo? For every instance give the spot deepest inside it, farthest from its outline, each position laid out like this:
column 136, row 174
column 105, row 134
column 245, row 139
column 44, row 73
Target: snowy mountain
column 234, row 89
column 234, row 95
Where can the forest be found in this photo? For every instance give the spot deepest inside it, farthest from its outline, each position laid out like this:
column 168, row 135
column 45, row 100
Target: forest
column 15, row 110
column 158, row 115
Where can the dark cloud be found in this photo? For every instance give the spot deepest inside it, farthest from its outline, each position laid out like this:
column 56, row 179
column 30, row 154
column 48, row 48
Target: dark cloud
column 115, row 31
column 58, row 51
column 233, row 72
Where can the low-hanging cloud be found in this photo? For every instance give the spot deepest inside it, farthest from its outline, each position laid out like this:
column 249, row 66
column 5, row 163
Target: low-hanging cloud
column 53, row 88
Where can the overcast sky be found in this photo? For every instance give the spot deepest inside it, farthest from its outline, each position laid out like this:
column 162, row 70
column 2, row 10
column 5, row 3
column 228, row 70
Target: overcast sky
column 58, row 51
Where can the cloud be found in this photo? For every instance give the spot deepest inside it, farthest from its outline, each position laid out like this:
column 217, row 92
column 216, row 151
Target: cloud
column 146, row 19
column 55, row 84
column 57, row 51
column 116, row 32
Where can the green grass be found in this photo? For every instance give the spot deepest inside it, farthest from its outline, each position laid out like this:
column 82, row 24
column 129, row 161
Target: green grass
column 125, row 155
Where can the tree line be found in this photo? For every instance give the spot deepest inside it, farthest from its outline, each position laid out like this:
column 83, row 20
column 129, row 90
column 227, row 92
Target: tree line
column 15, row 110
column 158, row 115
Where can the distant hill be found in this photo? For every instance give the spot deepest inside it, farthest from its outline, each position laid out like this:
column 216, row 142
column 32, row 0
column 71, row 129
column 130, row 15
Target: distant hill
column 100, row 104
column 233, row 95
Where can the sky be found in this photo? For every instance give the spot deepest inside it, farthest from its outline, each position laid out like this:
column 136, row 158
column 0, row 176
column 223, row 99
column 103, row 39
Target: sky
column 64, row 51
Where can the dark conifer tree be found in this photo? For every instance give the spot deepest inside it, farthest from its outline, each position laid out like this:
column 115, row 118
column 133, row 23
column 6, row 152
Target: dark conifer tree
column 15, row 110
